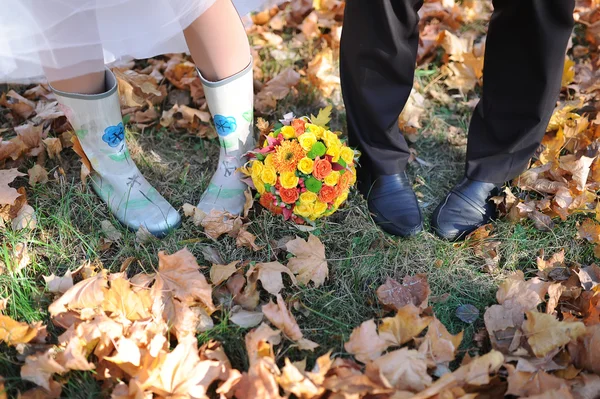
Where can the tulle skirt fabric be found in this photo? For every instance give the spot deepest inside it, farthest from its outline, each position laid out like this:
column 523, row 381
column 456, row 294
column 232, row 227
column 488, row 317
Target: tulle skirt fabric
column 66, row 35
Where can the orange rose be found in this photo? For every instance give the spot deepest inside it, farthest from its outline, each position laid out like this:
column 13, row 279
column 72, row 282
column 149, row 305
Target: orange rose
column 289, row 195
column 345, row 180
column 327, row 194
column 267, row 201
column 321, row 168
column 298, row 125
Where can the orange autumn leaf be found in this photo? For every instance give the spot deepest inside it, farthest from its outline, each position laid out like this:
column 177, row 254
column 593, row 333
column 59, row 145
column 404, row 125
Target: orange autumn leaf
column 403, row 327
column 280, row 317
column 438, row 344
column 15, row 332
column 365, row 343
column 121, row 300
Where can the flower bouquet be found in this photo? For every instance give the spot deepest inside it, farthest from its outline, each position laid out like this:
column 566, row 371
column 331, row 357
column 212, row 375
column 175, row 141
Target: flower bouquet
column 303, row 170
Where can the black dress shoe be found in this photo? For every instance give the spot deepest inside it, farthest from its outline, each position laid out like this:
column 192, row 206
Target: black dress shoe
column 464, row 209
column 393, row 203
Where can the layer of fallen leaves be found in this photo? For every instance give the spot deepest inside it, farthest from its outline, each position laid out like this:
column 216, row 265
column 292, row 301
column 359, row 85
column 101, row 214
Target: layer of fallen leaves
column 138, row 335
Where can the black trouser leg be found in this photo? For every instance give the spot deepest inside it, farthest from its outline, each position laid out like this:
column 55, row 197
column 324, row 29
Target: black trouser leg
column 524, row 60
column 378, row 54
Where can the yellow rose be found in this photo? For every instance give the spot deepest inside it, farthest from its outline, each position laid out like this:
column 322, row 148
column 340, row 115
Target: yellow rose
column 319, row 208
column 257, row 168
column 306, row 165
column 331, row 139
column 269, row 161
column 334, row 152
column 307, row 140
column 317, row 130
column 269, row 175
column 308, row 197
column 288, row 132
column 332, row 178
column 288, row 180
column 304, row 210
column 340, row 200
column 260, row 186
column 347, row 155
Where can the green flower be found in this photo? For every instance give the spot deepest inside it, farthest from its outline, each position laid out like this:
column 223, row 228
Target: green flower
column 317, row 150
column 313, row 185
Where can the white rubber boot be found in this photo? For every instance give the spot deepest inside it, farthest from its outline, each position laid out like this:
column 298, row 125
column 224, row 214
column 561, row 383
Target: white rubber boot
column 98, row 125
column 231, row 102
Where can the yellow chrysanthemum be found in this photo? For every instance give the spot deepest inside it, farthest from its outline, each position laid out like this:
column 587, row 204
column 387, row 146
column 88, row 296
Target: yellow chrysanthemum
column 332, row 179
column 317, row 130
column 257, row 168
column 304, row 210
column 269, row 175
column 306, row 165
column 308, row 197
column 288, row 180
column 340, row 200
column 307, row 140
column 288, row 132
column 347, row 155
column 287, row 155
column 334, row 152
column 331, row 139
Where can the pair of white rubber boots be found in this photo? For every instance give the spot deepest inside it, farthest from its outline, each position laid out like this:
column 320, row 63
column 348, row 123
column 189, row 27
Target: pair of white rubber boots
column 98, row 124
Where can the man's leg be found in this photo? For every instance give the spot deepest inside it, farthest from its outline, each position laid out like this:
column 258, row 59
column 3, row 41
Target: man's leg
column 524, row 60
column 378, row 54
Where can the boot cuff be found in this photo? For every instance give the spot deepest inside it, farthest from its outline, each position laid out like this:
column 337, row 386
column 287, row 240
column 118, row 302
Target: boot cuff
column 222, row 82
column 110, row 82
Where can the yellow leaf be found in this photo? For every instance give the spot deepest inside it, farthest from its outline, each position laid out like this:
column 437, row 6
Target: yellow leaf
column 546, row 333
column 568, row 75
column 323, row 117
column 220, row 273
column 403, row 327
column 15, row 332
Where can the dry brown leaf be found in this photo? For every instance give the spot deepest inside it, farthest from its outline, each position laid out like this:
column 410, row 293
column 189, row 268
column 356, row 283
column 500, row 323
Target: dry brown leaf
column 270, row 275
column 310, row 262
column 217, row 223
column 20, row 257
column 403, row 369
column 364, row 343
column 439, row 345
column 8, row 195
column 18, row 104
column 39, row 368
column 294, row 381
column 53, row 147
column 281, row 318
column 546, row 333
column 523, row 384
column 586, row 351
column 245, row 239
column 110, row 231
column 245, row 318
column 220, row 273
column 37, row 174
column 88, row 293
column 477, row 372
column 413, row 290
column 57, row 284
column 260, row 341
column 403, row 327
column 276, row 89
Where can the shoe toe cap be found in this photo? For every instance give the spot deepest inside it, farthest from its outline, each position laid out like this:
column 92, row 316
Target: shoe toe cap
column 160, row 225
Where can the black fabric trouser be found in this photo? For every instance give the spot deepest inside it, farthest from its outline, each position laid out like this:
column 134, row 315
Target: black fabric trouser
column 523, row 66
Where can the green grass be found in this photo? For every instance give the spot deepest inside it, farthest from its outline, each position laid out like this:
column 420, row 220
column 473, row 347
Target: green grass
column 360, row 255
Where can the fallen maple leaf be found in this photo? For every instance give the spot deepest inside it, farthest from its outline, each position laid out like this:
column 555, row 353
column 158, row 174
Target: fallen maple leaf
column 37, row 174
column 281, row 318
column 364, row 343
column 413, row 290
column 438, row 344
column 260, row 341
column 220, row 273
column 546, row 333
column 310, row 262
column 245, row 318
column 276, row 89
column 88, row 293
column 270, row 275
column 8, row 195
column 403, row 327
column 404, row 369
column 15, row 332
column 39, row 368
column 586, row 351
column 57, row 284
column 121, row 300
